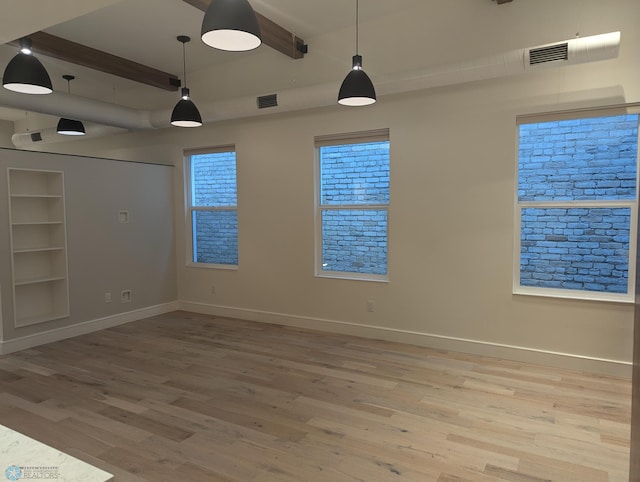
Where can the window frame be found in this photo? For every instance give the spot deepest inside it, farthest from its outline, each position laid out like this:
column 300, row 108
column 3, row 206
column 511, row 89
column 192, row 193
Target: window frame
column 190, row 209
column 378, row 135
column 631, row 204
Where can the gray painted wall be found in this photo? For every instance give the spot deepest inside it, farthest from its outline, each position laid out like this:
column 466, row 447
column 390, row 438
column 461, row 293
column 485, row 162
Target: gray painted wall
column 103, row 254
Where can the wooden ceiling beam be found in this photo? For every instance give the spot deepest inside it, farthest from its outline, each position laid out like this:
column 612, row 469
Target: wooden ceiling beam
column 75, row 53
column 273, row 35
column 49, row 45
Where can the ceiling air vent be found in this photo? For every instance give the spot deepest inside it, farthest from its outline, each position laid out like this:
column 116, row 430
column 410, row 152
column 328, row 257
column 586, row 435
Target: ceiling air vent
column 265, row 101
column 36, row 136
column 551, row 53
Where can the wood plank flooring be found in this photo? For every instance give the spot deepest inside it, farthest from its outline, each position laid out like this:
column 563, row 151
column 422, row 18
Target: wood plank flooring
column 187, row 397
column 634, row 470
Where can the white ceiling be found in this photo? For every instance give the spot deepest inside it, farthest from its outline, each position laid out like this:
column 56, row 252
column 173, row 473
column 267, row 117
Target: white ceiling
column 398, row 35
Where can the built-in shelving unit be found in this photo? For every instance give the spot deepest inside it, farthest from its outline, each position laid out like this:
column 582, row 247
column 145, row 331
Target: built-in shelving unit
column 38, row 245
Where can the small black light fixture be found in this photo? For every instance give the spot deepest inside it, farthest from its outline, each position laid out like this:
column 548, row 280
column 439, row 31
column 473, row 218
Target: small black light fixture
column 70, row 127
column 185, row 113
column 25, row 74
column 357, row 88
column 231, row 25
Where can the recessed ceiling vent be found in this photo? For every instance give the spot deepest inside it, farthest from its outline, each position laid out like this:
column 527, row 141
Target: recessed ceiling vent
column 551, row 53
column 36, row 137
column 266, row 101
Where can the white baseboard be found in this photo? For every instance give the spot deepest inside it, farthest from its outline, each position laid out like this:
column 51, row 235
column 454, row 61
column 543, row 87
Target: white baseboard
column 619, row 368
column 570, row 361
column 83, row 328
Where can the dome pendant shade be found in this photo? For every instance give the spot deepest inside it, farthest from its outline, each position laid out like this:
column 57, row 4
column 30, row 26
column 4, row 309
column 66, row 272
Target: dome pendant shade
column 25, row 74
column 185, row 113
column 70, row 127
column 357, row 88
column 231, row 25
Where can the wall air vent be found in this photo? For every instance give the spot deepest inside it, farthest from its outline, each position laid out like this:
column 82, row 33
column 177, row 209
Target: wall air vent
column 266, row 101
column 36, row 137
column 551, row 53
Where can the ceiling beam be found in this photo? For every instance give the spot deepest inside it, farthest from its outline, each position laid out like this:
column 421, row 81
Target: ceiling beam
column 49, row 45
column 273, row 35
column 75, row 53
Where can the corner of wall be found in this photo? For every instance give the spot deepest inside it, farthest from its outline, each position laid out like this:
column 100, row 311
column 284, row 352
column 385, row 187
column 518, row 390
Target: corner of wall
column 84, row 328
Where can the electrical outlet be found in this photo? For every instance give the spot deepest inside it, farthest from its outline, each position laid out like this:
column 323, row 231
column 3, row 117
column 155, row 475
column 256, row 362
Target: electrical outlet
column 371, row 306
column 125, row 296
column 107, row 297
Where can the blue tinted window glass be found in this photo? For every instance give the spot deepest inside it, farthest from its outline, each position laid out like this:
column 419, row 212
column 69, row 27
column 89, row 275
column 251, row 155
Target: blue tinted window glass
column 578, row 159
column 213, row 179
column 354, row 241
column 354, row 173
column 575, row 248
column 215, row 237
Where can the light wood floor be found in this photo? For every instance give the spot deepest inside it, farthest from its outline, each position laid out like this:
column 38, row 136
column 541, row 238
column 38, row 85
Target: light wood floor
column 185, row 397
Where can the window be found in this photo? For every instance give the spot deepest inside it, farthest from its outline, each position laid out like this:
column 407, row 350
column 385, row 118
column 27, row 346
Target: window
column 352, row 205
column 212, row 211
column 577, row 205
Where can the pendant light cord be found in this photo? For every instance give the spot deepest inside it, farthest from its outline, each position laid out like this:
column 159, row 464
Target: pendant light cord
column 184, row 63
column 357, row 16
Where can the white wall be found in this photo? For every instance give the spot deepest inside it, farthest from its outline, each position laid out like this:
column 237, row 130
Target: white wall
column 452, row 205
column 450, row 240
column 103, row 254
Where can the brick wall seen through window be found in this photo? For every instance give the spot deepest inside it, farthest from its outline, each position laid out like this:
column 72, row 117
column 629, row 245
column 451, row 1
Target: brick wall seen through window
column 576, row 202
column 353, row 204
column 213, row 208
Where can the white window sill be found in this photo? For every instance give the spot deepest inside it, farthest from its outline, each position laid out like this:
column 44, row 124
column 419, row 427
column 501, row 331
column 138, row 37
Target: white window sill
column 575, row 295
column 352, row 276
column 230, row 267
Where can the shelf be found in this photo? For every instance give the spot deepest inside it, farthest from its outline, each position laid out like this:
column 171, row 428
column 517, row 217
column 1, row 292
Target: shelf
column 44, row 279
column 37, row 196
column 37, row 208
column 38, row 250
column 38, row 246
column 41, row 301
column 27, row 237
column 35, row 319
column 32, row 182
column 35, row 223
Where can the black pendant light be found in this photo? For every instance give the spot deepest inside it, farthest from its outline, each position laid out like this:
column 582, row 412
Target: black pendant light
column 231, row 25
column 70, row 127
column 25, row 74
column 185, row 113
column 357, row 88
